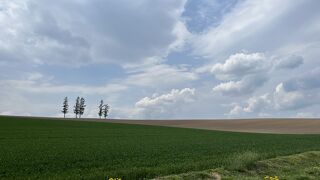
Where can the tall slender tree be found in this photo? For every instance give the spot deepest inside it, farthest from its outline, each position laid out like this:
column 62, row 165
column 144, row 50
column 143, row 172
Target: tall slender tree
column 65, row 107
column 100, row 113
column 82, row 107
column 76, row 109
column 106, row 110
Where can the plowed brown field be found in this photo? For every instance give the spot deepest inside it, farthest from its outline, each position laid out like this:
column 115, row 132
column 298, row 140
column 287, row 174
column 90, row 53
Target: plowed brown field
column 283, row 126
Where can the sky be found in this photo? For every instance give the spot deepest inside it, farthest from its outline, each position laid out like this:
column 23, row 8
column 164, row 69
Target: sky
column 161, row 59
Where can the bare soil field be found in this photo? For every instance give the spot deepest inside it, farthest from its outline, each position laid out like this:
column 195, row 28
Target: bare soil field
column 281, row 126
column 267, row 125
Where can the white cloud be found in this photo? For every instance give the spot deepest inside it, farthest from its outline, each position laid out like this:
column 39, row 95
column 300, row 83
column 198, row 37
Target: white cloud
column 254, row 105
column 236, row 110
column 77, row 32
column 260, row 26
column 298, row 92
column 235, row 27
column 239, row 65
column 279, row 100
column 165, row 105
column 257, row 104
column 288, row 100
column 245, row 86
column 243, row 73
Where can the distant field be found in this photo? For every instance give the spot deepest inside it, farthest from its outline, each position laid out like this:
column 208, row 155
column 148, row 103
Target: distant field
column 279, row 126
column 39, row 148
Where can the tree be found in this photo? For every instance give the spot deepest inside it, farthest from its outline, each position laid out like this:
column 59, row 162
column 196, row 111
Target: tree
column 100, row 113
column 65, row 107
column 76, row 109
column 82, row 106
column 106, row 110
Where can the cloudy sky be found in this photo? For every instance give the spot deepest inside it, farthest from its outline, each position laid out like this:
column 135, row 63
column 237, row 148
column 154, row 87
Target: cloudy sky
column 161, row 58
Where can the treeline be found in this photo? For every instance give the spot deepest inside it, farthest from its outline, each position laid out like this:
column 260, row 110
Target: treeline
column 80, row 106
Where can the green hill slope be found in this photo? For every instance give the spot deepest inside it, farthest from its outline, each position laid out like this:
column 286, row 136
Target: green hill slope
column 36, row 148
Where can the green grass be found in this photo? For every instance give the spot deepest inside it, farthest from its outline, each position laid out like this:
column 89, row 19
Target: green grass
column 34, row 148
column 304, row 166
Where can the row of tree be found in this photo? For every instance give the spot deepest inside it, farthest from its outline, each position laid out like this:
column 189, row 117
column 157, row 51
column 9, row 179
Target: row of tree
column 79, row 108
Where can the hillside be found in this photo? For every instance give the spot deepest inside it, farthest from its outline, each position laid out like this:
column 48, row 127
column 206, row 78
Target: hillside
column 42, row 148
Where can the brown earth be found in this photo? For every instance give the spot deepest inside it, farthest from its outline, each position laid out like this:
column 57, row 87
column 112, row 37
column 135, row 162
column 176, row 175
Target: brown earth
column 281, row 126
column 272, row 125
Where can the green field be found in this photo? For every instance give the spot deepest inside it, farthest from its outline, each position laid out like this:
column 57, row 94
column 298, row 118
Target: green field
column 37, row 148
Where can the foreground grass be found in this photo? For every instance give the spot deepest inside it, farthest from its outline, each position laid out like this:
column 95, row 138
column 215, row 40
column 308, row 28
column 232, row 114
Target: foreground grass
column 31, row 148
column 293, row 167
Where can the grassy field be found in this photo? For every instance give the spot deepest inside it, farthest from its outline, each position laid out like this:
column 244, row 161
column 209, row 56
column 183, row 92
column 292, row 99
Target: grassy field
column 36, row 148
column 303, row 166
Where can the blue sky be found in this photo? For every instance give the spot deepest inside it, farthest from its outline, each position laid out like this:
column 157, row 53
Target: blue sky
column 162, row 58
